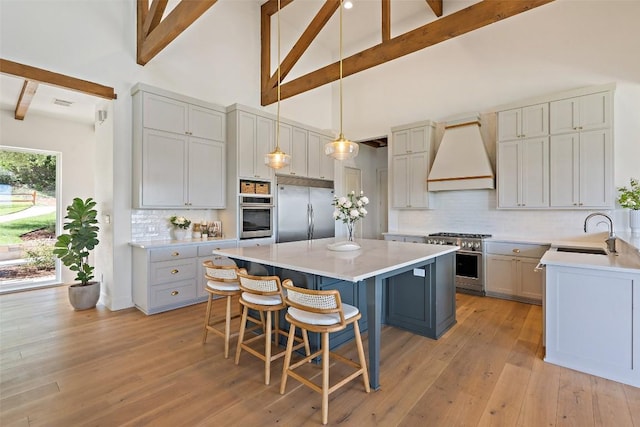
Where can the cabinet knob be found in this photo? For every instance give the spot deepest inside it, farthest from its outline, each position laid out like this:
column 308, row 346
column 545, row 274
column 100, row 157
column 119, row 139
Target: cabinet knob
column 175, row 254
column 580, row 204
column 174, row 293
column 409, row 151
column 292, row 173
column 175, row 271
column 517, row 251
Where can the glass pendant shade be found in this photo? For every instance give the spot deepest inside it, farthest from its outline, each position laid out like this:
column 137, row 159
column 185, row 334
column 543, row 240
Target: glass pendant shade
column 341, row 148
column 277, row 159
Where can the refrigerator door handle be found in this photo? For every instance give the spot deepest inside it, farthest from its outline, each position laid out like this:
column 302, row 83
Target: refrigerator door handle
column 311, row 222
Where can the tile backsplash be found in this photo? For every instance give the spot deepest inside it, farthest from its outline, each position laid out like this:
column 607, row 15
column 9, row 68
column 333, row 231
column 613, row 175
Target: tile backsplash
column 154, row 224
column 474, row 211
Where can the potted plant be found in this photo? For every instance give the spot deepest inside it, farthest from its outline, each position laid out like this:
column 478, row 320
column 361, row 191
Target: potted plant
column 180, row 226
column 73, row 249
column 630, row 198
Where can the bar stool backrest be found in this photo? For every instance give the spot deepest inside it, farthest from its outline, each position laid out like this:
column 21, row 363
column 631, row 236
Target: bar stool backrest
column 261, row 285
column 221, row 273
column 314, row 301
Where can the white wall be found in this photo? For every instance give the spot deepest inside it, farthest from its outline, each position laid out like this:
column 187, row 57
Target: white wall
column 76, row 144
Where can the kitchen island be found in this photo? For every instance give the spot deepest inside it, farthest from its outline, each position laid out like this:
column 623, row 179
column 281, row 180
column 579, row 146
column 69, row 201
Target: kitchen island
column 376, row 264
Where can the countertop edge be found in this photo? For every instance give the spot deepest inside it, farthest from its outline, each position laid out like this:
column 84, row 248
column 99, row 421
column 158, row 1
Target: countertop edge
column 152, row 244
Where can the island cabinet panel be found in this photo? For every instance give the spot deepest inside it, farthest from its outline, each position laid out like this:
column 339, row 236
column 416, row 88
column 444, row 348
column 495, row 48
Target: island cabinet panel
column 592, row 322
column 422, row 300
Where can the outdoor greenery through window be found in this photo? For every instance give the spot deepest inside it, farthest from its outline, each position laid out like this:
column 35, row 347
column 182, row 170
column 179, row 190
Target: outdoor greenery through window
column 27, row 218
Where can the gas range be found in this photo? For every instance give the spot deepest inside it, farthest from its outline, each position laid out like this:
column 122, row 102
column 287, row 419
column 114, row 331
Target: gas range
column 469, row 259
column 467, row 241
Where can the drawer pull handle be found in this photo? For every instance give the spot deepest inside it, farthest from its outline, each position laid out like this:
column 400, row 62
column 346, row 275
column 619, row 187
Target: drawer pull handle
column 175, row 254
column 517, row 251
column 175, row 271
column 174, row 293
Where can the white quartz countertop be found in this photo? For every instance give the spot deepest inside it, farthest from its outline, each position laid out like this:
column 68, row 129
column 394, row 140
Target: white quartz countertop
column 374, row 258
column 150, row 244
column 627, row 259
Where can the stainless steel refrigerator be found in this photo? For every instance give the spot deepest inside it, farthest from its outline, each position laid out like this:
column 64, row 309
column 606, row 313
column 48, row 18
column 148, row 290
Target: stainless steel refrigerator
column 304, row 209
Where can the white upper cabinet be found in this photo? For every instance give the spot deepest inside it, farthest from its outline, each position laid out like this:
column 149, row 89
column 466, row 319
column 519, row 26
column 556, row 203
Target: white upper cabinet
column 412, row 150
column 293, row 141
column 526, row 122
column 255, row 138
column 413, row 140
column 581, row 113
column 178, row 151
column 319, row 165
column 581, row 169
column 523, row 173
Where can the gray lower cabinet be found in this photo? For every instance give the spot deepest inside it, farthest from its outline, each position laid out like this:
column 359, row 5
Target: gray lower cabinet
column 423, row 300
column 170, row 277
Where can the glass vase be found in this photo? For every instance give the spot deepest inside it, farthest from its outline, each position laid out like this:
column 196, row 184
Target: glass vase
column 350, row 231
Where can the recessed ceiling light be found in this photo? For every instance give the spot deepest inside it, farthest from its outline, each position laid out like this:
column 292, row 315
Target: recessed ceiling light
column 62, row 102
column 348, row 4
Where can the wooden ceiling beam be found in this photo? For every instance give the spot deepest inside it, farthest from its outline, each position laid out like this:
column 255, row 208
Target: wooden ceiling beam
column 24, row 101
column 271, row 7
column 54, row 79
column 154, row 16
column 310, row 33
column 178, row 20
column 471, row 18
column 436, row 6
column 386, row 20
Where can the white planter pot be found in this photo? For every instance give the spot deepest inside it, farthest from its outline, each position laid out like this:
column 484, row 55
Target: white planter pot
column 180, row 233
column 634, row 221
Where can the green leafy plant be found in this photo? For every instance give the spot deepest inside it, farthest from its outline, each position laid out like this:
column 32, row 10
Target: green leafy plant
column 73, row 248
column 630, row 197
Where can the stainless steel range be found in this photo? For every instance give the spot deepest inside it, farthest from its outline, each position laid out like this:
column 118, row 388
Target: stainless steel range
column 469, row 259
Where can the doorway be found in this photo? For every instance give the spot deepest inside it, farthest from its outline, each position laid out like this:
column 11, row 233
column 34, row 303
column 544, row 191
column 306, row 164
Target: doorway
column 28, row 218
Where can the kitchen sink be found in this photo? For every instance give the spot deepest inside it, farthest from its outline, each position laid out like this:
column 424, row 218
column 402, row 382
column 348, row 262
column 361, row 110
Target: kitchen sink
column 594, row 251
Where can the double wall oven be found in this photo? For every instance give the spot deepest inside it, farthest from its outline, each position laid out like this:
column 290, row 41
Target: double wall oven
column 469, row 259
column 256, row 210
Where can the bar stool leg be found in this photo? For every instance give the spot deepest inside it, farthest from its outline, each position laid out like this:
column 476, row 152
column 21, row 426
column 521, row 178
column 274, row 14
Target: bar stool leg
column 287, row 356
column 325, row 377
column 267, row 350
column 363, row 362
column 227, row 328
column 243, row 322
column 207, row 316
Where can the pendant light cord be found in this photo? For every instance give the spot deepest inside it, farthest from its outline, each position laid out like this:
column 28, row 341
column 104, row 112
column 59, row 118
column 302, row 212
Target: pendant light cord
column 341, row 134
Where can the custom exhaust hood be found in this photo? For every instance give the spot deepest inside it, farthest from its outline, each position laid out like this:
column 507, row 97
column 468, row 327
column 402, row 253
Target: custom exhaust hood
column 462, row 162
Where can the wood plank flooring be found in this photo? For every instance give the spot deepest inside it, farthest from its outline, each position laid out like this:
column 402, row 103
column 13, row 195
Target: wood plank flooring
column 101, row 368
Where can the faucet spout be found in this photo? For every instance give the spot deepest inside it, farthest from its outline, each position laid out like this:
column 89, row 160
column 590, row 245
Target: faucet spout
column 611, row 240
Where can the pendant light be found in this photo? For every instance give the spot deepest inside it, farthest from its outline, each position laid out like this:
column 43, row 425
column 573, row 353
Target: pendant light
column 341, row 148
column 277, row 159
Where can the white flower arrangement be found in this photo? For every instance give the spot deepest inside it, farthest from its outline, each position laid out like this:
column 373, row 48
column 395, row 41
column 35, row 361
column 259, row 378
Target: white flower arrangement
column 630, row 197
column 350, row 208
column 180, row 222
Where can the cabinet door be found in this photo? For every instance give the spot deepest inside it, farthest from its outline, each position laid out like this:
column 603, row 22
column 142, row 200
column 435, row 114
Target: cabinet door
column 265, row 143
column 399, row 197
column 206, row 123
column 501, row 274
column 246, row 144
column 535, row 173
column 207, row 178
column 594, row 111
column 299, row 152
column 417, row 179
column 419, row 140
column 564, row 170
column 326, row 162
column 318, row 164
column 529, row 279
column 535, row 121
column 400, row 142
column 164, row 114
column 509, row 174
column 595, row 169
column 164, row 166
column 509, row 123
column 563, row 116
column 286, row 145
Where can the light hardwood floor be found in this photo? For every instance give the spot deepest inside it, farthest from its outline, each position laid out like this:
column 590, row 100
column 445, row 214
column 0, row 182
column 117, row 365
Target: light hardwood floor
column 100, row 368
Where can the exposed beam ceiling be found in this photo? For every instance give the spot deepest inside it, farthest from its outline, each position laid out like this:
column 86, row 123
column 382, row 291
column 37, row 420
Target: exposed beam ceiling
column 155, row 33
column 471, row 18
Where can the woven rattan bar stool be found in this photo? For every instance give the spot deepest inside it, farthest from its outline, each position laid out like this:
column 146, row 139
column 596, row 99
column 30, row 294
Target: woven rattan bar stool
column 263, row 294
column 222, row 280
column 322, row 312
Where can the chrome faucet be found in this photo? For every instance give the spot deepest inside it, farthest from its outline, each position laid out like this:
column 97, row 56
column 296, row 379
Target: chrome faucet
column 611, row 240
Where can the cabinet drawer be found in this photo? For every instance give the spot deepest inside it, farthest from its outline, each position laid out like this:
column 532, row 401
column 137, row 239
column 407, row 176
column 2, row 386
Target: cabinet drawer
column 173, row 293
column 178, row 252
column 514, row 248
column 205, row 250
column 172, row 271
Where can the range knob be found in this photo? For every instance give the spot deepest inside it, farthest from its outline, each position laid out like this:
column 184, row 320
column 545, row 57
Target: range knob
column 476, row 245
column 442, row 242
column 463, row 244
